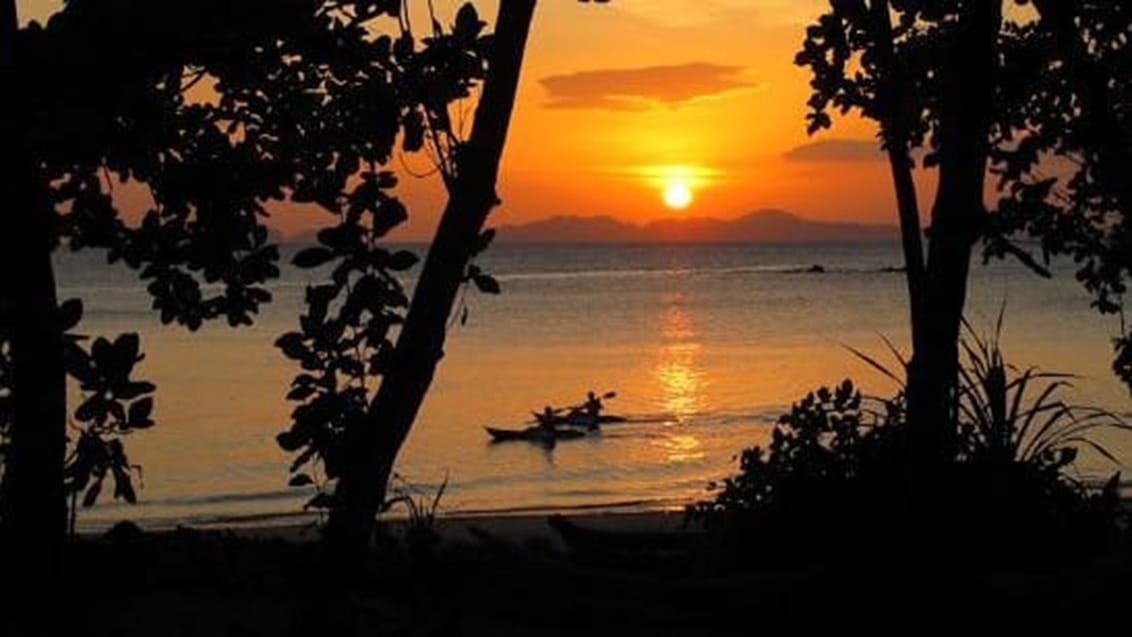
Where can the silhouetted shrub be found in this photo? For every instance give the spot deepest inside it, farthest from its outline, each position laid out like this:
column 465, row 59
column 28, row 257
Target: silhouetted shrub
column 803, row 486
column 835, row 484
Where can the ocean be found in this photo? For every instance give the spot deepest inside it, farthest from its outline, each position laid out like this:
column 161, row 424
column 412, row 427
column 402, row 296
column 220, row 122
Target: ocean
column 705, row 346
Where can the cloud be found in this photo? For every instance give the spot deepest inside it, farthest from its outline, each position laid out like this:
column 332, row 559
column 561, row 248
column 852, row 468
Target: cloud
column 642, row 88
column 836, row 150
column 697, row 13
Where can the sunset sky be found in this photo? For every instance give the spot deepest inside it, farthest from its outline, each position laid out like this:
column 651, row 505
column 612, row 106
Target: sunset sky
column 625, row 101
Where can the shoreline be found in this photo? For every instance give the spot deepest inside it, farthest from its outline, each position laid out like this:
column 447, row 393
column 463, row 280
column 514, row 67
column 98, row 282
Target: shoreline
column 461, row 528
column 632, row 515
column 515, row 529
column 298, row 517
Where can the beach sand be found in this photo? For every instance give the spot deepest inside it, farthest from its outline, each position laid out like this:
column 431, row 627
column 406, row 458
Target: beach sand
column 517, row 528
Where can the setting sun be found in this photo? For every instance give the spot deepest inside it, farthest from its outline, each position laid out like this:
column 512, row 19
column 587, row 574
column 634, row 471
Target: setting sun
column 677, row 194
column 678, row 184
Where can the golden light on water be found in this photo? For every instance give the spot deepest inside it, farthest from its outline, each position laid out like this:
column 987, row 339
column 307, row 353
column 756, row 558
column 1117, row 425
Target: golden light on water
column 683, row 448
column 681, row 378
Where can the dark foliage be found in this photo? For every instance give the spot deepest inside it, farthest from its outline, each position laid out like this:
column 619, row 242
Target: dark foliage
column 836, row 467
column 828, row 437
column 1064, row 154
column 217, row 119
column 811, row 479
column 113, row 406
column 346, row 335
column 1058, row 135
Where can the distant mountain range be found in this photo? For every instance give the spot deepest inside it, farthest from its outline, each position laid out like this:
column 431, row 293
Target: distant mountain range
column 760, row 226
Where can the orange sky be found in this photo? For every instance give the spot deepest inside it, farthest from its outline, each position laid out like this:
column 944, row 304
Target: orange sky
column 618, row 99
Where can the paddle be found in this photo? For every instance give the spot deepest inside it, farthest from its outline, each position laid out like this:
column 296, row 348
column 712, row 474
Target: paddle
column 558, row 410
column 607, row 395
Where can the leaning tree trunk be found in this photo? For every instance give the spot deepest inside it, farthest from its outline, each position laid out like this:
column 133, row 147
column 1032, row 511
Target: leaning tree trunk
column 957, row 216
column 34, row 508
column 373, row 448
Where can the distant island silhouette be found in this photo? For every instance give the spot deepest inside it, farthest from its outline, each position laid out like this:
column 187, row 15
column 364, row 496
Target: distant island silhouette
column 760, row 226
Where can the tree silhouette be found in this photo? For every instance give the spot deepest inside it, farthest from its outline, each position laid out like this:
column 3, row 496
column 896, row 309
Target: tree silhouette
column 356, row 441
column 373, row 449
column 217, row 109
column 345, row 341
column 1065, row 182
column 977, row 92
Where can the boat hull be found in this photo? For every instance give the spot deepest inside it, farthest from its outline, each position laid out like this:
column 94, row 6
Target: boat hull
column 533, row 434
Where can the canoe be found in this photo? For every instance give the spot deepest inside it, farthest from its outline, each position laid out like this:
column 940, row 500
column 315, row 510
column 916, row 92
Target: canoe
column 534, row 434
column 584, row 420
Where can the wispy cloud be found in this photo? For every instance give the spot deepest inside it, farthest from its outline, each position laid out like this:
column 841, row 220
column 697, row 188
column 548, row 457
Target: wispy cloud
column 835, row 150
column 686, row 13
column 642, row 88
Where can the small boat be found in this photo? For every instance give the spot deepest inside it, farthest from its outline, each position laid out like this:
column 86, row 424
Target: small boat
column 534, row 434
column 583, row 419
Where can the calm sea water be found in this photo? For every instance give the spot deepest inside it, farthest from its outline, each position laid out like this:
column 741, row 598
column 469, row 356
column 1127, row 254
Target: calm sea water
column 705, row 346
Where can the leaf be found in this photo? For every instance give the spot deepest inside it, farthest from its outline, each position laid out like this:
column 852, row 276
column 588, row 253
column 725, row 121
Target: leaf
column 468, row 23
column 126, row 348
column 140, row 411
column 91, row 495
column 292, row 346
column 871, row 362
column 70, row 313
column 134, row 389
column 124, row 487
column 320, row 501
column 402, row 260
column 301, row 393
column 303, row 458
column 301, row 480
column 312, row 257
column 484, row 240
column 391, row 214
column 486, row 284
column 100, row 349
column 289, row 441
column 90, row 409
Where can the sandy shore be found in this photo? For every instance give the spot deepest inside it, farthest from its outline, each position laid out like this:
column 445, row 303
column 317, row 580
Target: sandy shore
column 518, row 528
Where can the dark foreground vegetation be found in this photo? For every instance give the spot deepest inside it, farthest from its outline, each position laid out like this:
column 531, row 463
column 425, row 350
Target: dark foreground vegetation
column 218, row 583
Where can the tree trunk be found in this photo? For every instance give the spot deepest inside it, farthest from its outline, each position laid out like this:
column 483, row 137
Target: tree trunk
column 373, row 449
column 34, row 507
column 957, row 216
column 894, row 130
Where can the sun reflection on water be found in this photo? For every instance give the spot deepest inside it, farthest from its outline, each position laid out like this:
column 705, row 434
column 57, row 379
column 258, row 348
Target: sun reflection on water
column 682, row 448
column 681, row 378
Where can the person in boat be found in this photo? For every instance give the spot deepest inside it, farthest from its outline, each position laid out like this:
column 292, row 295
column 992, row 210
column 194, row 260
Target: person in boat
column 592, row 405
column 589, row 412
column 546, row 420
